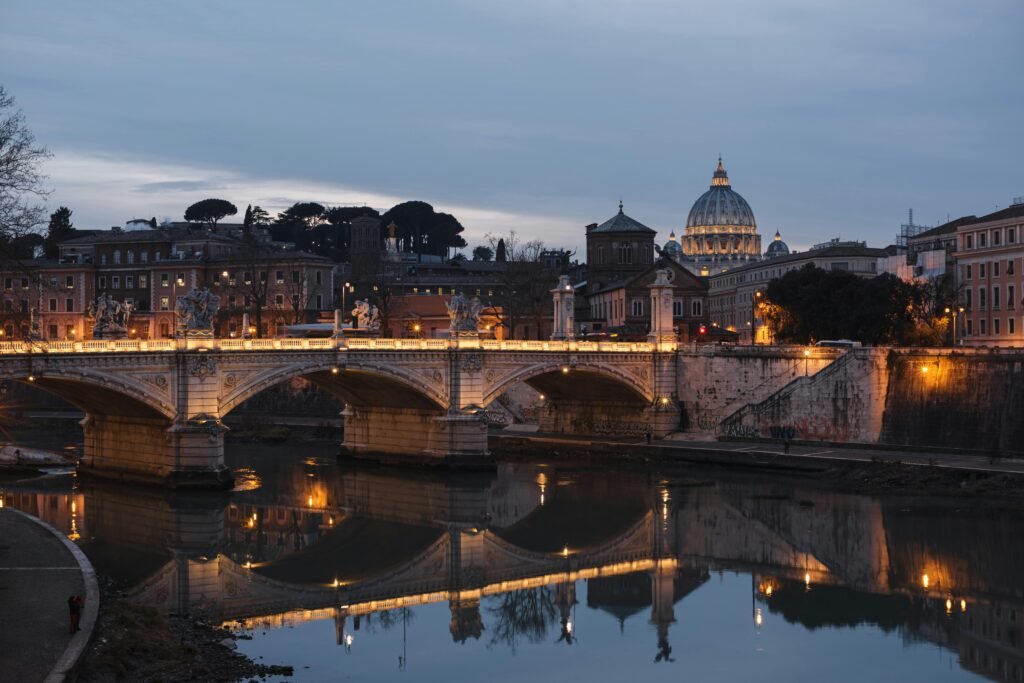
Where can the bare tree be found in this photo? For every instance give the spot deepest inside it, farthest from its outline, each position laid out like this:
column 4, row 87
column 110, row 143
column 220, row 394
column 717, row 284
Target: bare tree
column 253, row 282
column 20, row 176
column 526, row 283
column 296, row 286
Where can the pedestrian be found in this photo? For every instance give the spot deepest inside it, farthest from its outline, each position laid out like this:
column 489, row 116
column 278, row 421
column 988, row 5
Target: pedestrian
column 75, row 605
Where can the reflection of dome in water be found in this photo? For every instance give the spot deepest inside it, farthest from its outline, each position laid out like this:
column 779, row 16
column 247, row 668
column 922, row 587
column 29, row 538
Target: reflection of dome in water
column 777, row 247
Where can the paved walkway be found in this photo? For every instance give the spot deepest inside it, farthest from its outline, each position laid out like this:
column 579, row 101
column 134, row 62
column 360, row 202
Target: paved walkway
column 38, row 572
column 763, row 452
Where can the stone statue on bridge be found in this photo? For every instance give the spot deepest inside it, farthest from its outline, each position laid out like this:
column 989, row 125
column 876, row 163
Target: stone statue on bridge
column 465, row 316
column 195, row 313
column 367, row 317
column 110, row 317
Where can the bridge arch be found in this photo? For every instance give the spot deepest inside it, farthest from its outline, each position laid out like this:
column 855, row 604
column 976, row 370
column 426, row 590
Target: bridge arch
column 357, row 383
column 583, row 381
column 97, row 393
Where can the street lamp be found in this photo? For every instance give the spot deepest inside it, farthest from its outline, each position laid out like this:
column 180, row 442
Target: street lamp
column 343, row 291
column 807, row 356
column 755, row 301
column 954, row 311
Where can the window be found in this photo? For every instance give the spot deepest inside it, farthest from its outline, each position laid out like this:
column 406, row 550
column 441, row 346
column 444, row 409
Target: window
column 69, row 305
column 117, row 257
column 967, row 275
column 969, row 242
column 319, row 300
column 232, row 301
column 103, row 259
column 143, row 281
column 995, row 269
column 625, row 253
column 982, row 241
column 247, row 277
column 696, row 308
column 263, row 276
column 1010, row 296
column 103, row 282
column 677, row 308
column 995, row 297
column 841, row 265
column 131, row 257
column 981, row 270
column 1011, row 236
column 129, row 282
column 53, row 283
column 165, row 330
column 319, row 277
column 967, row 298
column 165, row 280
column 53, row 305
column 69, row 282
column 24, row 283
column 295, row 300
column 1009, row 267
column 144, row 256
column 638, row 306
column 165, row 304
column 981, row 297
column 279, row 299
column 279, row 277
column 995, row 326
column 115, row 282
column 8, row 283
column 983, row 325
column 53, row 331
column 1011, row 326
column 995, row 239
column 600, row 254
column 295, row 277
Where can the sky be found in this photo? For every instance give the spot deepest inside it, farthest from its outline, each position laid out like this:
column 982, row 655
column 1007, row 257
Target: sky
column 832, row 117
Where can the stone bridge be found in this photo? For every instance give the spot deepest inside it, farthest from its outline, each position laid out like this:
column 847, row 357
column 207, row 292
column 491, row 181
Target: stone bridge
column 154, row 409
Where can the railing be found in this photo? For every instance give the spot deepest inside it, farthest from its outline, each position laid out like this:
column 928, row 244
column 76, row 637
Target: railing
column 291, row 344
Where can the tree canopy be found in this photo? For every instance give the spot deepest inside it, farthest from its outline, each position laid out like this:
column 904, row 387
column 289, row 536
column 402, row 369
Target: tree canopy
column 811, row 304
column 423, row 230
column 482, row 253
column 60, row 229
column 210, row 211
column 20, row 177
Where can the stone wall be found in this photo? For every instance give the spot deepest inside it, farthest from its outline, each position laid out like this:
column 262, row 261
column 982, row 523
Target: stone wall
column 971, row 399
column 843, row 402
column 716, row 381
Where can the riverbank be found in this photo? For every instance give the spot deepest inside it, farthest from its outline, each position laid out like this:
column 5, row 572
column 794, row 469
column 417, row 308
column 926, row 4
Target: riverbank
column 39, row 570
column 850, row 468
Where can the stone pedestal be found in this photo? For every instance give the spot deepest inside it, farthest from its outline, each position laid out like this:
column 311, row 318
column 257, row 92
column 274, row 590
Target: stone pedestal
column 564, row 300
column 661, row 309
column 453, row 438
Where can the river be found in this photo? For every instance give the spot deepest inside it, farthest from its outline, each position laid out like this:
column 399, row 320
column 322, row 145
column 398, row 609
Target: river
column 555, row 571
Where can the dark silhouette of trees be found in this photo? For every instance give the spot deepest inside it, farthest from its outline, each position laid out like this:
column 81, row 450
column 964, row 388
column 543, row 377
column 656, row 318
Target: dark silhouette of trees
column 423, row 230
column 318, row 230
column 525, row 295
column 482, row 253
column 21, row 180
column 254, row 217
column 500, row 254
column 60, row 229
column 524, row 613
column 811, row 304
column 210, row 211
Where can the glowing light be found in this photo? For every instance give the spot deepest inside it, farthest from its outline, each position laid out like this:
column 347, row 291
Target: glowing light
column 565, row 551
column 568, row 627
column 1, row 503
column 807, row 579
column 924, row 369
column 310, row 501
column 31, row 378
column 74, row 507
column 248, row 564
column 336, row 584
column 334, row 371
column 348, row 640
column 924, row 580
column 542, row 397
column 768, row 590
column 949, row 605
column 963, row 605
column 807, row 352
column 758, row 617
column 664, row 401
column 565, row 369
column 330, row 521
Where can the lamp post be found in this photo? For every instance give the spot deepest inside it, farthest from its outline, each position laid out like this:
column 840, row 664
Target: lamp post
column 954, row 311
column 344, row 290
column 755, row 301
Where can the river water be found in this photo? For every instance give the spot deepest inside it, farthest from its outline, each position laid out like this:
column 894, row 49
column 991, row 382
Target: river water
column 554, row 572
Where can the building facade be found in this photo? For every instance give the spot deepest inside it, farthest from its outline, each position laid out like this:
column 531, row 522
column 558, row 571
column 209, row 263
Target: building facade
column 989, row 263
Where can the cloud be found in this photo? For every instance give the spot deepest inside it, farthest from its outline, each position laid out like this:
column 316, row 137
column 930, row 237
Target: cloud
column 171, row 185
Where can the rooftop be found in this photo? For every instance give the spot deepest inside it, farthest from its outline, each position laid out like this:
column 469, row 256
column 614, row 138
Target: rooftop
column 620, row 222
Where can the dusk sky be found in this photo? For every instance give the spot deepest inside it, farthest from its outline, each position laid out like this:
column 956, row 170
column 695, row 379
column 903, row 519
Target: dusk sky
column 833, row 118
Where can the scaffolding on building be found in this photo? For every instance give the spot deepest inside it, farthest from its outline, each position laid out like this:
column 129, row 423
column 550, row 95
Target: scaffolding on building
column 910, row 229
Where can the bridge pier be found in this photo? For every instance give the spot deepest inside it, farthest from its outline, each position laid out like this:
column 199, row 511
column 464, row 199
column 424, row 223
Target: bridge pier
column 451, row 437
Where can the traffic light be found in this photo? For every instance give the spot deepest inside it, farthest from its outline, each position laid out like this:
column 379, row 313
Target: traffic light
column 702, row 330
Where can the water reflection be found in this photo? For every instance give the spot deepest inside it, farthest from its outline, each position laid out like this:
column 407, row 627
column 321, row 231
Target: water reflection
column 512, row 555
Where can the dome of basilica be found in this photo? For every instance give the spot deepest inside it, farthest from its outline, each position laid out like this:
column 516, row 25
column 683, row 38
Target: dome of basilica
column 672, row 248
column 721, row 205
column 777, row 247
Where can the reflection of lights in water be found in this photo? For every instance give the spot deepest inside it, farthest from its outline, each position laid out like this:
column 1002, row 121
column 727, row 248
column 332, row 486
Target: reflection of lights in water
column 963, row 605
column 310, row 501
column 568, row 627
column 1, row 501
column 758, row 617
column 807, row 579
column 248, row 564
column 924, row 580
column 565, row 551
column 336, row 584
column 330, row 521
column 768, row 590
column 348, row 640
column 246, row 479
column 949, row 605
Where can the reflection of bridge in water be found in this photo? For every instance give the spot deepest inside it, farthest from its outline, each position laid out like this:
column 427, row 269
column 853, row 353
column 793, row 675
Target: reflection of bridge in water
column 322, row 543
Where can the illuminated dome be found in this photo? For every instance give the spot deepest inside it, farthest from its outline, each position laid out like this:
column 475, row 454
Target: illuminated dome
column 721, row 205
column 672, row 248
column 777, row 247
column 721, row 232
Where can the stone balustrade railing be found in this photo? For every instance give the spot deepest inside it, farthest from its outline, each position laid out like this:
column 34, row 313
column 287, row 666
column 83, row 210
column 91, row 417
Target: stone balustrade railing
column 292, row 344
